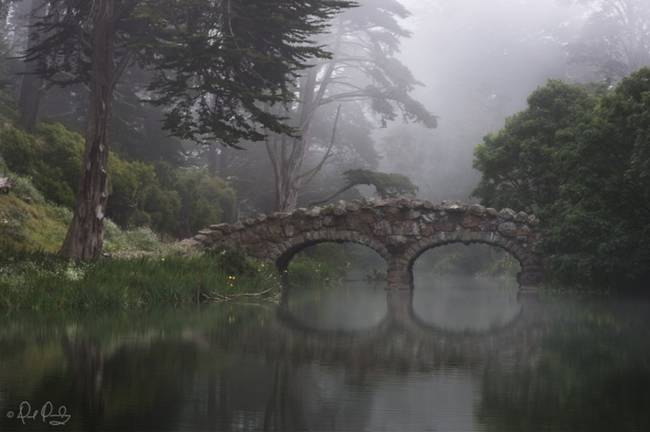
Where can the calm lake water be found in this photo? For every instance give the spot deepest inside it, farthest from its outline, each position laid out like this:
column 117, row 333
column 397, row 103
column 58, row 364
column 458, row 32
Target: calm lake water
column 463, row 354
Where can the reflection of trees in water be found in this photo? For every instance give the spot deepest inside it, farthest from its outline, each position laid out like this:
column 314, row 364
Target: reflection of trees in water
column 590, row 372
column 571, row 367
column 244, row 370
column 283, row 410
column 104, row 387
column 85, row 367
column 400, row 342
column 461, row 303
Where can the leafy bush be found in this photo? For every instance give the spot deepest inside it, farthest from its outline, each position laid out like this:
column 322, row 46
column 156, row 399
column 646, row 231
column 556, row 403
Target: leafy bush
column 52, row 159
column 18, row 150
column 204, row 199
column 130, row 183
column 25, row 190
column 140, row 240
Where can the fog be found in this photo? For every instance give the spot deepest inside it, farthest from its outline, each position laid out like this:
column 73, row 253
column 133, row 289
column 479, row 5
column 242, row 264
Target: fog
column 477, row 61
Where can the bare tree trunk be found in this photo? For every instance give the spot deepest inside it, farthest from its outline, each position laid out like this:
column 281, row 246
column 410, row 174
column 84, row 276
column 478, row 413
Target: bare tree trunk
column 286, row 158
column 31, row 85
column 213, row 160
column 30, row 100
column 224, row 161
column 84, row 240
column 289, row 179
column 288, row 199
column 289, row 159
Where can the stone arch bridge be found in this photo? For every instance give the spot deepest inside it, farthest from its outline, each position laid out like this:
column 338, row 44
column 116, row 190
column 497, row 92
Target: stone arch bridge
column 399, row 230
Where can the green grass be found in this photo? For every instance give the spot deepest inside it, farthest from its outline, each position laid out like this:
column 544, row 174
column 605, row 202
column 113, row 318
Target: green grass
column 46, row 283
column 143, row 272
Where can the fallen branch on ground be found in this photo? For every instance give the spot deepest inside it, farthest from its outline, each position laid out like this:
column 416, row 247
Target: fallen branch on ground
column 221, row 298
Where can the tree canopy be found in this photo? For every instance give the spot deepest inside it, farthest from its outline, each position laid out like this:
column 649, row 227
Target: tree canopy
column 580, row 158
column 364, row 71
column 387, row 185
column 217, row 68
column 215, row 65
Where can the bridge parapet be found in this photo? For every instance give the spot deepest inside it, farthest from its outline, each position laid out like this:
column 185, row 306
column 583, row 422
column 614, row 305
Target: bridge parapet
column 399, row 230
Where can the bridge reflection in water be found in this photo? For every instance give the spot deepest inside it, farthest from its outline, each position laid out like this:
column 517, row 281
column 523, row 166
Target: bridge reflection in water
column 354, row 359
column 404, row 348
column 404, row 338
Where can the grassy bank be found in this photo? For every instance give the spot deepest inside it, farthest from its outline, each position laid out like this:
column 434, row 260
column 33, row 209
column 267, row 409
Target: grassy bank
column 30, row 224
column 46, row 283
column 142, row 271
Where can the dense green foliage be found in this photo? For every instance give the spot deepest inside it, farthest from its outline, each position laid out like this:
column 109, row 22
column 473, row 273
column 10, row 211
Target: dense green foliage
column 173, row 201
column 580, row 159
column 48, row 283
column 52, row 159
column 29, row 224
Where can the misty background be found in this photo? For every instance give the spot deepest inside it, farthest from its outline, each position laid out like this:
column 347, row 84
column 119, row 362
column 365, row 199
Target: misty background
column 469, row 63
column 478, row 61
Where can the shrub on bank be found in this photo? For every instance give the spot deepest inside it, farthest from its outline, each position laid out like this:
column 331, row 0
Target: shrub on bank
column 172, row 201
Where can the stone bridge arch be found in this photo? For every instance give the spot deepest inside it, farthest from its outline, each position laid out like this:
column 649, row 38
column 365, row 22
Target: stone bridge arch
column 529, row 261
column 399, row 230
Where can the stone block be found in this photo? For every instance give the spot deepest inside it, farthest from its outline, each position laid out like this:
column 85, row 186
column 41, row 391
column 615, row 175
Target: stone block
column 477, row 209
column 314, row 212
column 521, row 217
column 471, row 221
column 507, row 214
column 508, row 229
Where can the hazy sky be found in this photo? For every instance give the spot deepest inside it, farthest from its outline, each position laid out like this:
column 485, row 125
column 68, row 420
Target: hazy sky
column 478, row 60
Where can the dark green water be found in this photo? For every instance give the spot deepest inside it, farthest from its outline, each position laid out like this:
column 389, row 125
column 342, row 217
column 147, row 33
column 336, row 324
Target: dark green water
column 461, row 355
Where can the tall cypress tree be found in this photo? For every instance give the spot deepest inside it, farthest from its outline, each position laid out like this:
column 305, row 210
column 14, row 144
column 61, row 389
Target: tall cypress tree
column 216, row 64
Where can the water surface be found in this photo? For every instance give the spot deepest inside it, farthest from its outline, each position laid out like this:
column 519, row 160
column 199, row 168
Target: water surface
column 463, row 354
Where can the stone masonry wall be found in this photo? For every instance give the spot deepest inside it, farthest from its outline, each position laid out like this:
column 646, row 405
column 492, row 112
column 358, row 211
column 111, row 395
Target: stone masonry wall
column 398, row 229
